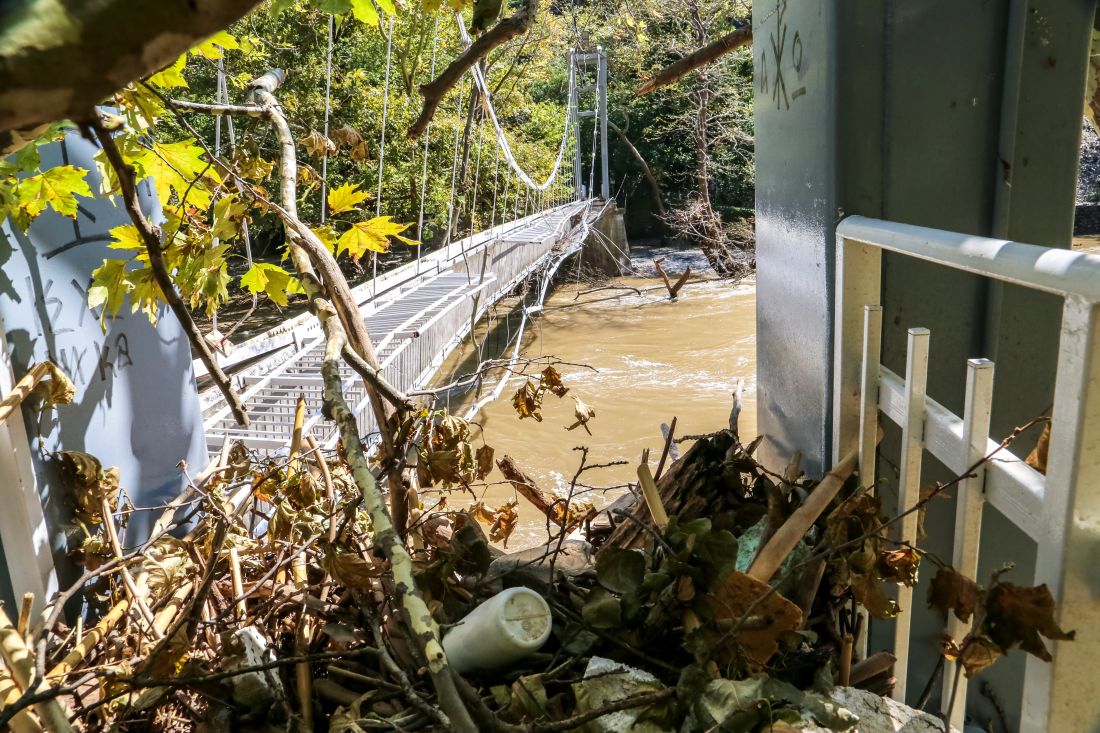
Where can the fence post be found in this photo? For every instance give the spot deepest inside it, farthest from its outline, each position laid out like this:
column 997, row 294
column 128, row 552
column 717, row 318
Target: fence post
column 858, row 284
column 1063, row 696
column 968, row 510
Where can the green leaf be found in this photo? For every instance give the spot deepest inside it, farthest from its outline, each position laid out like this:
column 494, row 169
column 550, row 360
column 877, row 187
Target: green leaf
column 387, row 7
column 110, row 285
column 336, row 7
column 176, row 166
column 146, row 295
column 269, row 279
column 601, row 610
column 228, row 213
column 345, row 198
column 126, row 237
column 58, row 187
column 171, row 77
column 327, row 235
column 215, row 47
column 619, row 570
column 280, row 6
column 364, row 11
column 372, row 236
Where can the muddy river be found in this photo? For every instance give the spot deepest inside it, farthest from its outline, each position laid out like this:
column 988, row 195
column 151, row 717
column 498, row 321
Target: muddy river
column 647, row 360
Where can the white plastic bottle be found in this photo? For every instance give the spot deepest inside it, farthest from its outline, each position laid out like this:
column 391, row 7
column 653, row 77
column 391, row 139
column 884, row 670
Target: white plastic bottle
column 501, row 631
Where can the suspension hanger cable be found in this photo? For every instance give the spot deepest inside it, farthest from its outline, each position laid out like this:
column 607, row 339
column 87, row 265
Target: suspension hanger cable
column 427, row 137
column 328, row 112
column 382, row 145
column 454, row 166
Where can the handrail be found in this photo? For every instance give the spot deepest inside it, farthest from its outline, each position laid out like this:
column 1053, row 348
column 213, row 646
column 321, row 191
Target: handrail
column 1052, row 270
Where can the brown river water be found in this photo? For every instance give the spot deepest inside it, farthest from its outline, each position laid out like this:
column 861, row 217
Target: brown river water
column 650, row 359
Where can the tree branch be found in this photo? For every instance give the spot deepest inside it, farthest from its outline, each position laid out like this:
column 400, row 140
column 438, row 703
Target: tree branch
column 658, row 198
column 434, row 91
column 152, row 242
column 56, row 63
column 706, row 55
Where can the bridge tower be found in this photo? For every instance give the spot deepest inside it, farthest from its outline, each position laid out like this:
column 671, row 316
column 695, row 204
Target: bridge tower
column 582, row 62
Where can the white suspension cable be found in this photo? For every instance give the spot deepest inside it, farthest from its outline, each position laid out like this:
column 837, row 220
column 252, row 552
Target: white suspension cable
column 502, row 139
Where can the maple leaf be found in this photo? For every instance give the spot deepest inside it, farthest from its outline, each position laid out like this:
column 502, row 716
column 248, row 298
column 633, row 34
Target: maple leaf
column 171, row 76
column 109, row 287
column 953, row 591
column 270, row 279
column 214, row 48
column 58, row 187
column 177, row 166
column 327, row 235
column 364, row 12
column 372, row 236
column 345, row 198
column 317, row 144
column 126, row 237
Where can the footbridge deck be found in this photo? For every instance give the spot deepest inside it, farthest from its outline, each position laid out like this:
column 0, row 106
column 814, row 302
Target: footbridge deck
column 416, row 315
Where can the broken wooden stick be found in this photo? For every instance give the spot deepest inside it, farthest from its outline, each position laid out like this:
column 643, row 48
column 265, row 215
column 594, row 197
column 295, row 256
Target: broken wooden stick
column 62, row 390
column 19, row 661
column 651, row 494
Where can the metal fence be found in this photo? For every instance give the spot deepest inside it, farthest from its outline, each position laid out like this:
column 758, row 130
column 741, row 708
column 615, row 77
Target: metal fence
column 1059, row 511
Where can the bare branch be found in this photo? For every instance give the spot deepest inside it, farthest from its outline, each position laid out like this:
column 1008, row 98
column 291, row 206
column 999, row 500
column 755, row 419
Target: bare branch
column 435, row 90
column 706, row 55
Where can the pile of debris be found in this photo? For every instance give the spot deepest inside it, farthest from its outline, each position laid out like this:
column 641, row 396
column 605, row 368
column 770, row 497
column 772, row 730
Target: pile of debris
column 722, row 597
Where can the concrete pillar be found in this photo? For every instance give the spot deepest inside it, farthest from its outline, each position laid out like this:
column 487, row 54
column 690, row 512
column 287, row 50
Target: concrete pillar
column 959, row 115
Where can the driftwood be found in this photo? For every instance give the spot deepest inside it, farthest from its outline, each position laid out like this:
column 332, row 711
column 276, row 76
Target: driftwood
column 555, row 509
column 687, row 489
column 673, row 288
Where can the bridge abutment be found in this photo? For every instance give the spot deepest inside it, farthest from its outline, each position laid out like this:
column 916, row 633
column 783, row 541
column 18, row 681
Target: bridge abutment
column 607, row 248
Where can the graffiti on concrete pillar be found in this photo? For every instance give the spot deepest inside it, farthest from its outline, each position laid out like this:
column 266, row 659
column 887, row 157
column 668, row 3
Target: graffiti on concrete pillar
column 777, row 57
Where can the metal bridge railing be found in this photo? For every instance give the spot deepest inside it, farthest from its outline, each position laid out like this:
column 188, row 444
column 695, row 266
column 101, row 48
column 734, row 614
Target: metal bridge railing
column 1059, row 511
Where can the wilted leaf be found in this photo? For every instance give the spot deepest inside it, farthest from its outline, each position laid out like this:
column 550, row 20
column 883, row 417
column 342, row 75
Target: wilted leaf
column 1015, row 615
column 901, row 565
column 316, row 144
column 583, row 413
column 550, row 379
column 348, row 569
column 484, row 457
column 57, row 388
column 953, row 591
column 977, row 654
column 527, row 401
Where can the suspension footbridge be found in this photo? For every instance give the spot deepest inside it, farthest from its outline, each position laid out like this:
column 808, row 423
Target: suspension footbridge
column 419, row 312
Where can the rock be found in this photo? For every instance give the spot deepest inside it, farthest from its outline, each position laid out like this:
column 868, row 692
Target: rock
column 881, row 714
column 607, row 681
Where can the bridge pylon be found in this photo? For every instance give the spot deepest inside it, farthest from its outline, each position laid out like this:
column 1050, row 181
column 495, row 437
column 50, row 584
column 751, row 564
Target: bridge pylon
column 583, row 62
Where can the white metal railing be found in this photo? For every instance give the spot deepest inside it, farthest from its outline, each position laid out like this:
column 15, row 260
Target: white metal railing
column 1060, row 512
